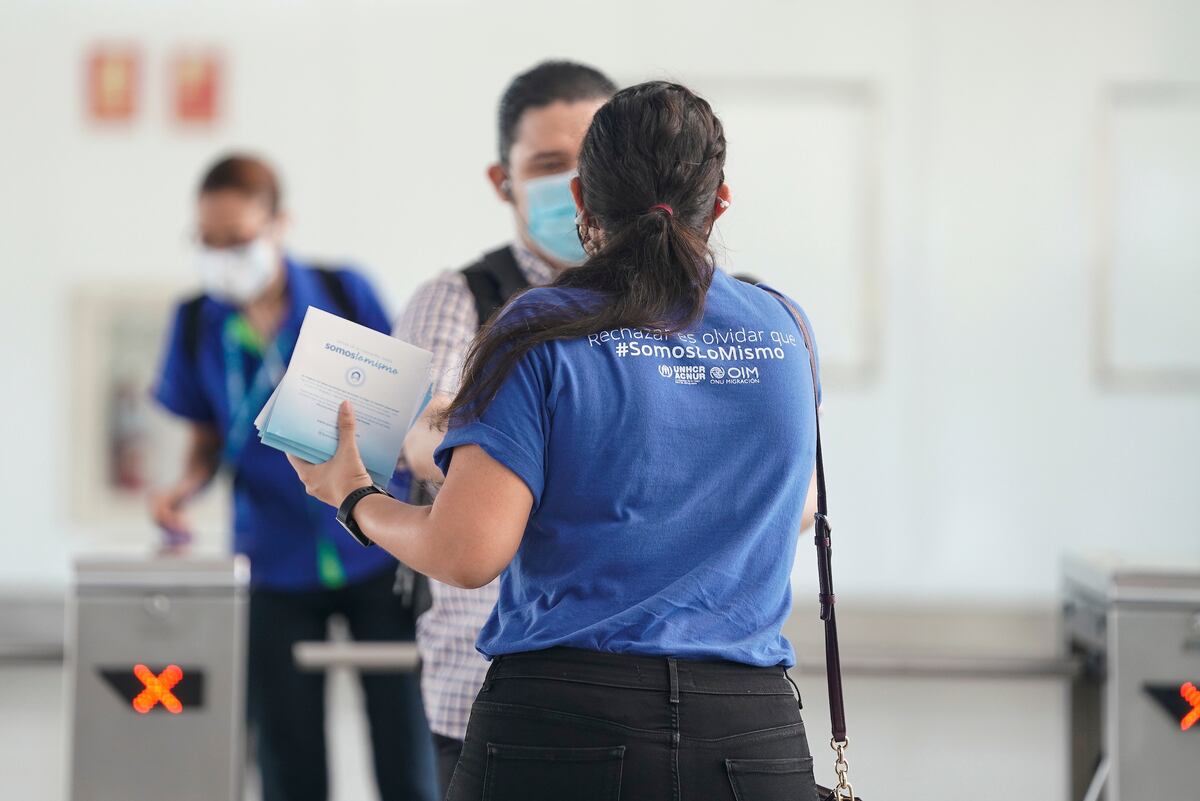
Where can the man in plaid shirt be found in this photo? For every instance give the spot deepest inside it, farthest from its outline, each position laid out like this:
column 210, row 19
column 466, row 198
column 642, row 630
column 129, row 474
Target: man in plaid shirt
column 543, row 116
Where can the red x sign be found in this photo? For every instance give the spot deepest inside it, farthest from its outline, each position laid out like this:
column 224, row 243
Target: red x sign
column 157, row 689
column 1190, row 694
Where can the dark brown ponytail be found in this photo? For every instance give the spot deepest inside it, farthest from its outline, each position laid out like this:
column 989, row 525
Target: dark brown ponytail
column 651, row 164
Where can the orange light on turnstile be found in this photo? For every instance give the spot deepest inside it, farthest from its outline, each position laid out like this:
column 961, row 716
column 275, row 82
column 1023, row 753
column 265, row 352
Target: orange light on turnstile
column 1192, row 696
column 157, row 689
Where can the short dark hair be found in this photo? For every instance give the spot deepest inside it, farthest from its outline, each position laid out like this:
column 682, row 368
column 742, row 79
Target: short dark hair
column 548, row 82
column 246, row 174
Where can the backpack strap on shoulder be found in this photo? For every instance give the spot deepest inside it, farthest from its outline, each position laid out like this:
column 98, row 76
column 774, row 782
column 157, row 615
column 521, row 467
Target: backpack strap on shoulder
column 190, row 325
column 335, row 287
column 493, row 280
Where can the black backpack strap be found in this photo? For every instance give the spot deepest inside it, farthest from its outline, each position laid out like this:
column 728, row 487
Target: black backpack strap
column 331, row 282
column 493, row 280
column 190, row 326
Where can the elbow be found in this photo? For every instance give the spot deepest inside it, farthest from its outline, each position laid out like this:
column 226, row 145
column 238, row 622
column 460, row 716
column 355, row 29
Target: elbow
column 469, row 577
column 469, row 569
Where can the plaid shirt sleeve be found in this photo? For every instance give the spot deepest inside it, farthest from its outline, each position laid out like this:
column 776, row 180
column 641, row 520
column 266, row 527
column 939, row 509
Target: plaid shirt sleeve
column 441, row 318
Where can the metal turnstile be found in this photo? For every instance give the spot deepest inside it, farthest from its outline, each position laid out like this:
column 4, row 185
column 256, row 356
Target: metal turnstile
column 155, row 673
column 1135, row 705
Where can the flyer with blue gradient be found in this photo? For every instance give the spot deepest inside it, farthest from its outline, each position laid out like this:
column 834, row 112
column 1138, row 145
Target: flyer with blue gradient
column 385, row 379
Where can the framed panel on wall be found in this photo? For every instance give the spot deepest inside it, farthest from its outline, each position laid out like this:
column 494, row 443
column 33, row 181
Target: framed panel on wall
column 1147, row 278
column 803, row 168
column 122, row 444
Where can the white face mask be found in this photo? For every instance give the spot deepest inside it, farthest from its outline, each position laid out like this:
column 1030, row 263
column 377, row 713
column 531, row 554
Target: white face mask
column 237, row 275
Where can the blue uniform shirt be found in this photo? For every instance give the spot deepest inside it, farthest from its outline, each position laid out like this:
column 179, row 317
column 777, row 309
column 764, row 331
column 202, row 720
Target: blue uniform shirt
column 668, row 475
column 287, row 535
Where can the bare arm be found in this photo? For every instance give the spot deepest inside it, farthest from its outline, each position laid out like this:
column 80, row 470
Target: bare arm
column 466, row 538
column 810, row 506
column 469, row 534
column 422, row 440
column 810, row 501
column 200, row 464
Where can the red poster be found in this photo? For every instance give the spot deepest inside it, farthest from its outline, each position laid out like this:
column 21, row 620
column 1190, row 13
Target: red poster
column 195, row 86
column 113, row 74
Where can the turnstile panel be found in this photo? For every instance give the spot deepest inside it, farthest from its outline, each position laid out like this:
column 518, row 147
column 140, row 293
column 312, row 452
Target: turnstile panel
column 1150, row 664
column 1136, row 627
column 157, row 688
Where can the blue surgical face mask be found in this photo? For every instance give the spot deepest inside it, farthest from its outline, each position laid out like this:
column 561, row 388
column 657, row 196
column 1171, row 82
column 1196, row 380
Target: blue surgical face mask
column 551, row 222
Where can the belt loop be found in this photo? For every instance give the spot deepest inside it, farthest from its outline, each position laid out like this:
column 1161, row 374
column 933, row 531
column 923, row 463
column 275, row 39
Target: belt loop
column 489, row 677
column 788, row 676
column 673, row 670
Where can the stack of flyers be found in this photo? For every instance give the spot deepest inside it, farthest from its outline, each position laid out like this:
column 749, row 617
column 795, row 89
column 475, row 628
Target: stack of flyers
column 385, row 379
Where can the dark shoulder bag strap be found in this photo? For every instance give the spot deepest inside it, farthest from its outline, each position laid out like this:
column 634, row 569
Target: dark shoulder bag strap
column 833, row 660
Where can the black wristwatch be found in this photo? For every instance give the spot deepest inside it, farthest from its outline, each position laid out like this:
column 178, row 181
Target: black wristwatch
column 345, row 513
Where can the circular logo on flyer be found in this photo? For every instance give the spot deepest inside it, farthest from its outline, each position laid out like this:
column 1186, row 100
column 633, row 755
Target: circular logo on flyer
column 665, row 370
column 355, row 376
column 716, row 373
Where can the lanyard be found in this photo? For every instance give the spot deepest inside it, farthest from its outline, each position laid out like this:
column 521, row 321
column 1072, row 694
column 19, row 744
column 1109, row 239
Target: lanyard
column 245, row 402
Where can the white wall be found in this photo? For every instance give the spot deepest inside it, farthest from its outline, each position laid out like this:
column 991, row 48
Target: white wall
column 943, row 211
column 978, row 447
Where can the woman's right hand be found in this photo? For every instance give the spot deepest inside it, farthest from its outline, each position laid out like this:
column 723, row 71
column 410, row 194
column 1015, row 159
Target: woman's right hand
column 168, row 509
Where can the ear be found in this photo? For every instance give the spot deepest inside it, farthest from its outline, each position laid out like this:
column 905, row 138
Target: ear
column 724, row 199
column 498, row 176
column 280, row 224
column 577, row 193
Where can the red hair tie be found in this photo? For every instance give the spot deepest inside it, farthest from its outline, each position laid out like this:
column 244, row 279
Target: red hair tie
column 670, row 211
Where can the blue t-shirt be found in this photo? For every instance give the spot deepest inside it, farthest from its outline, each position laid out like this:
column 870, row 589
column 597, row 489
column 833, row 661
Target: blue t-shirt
column 668, row 477
column 293, row 541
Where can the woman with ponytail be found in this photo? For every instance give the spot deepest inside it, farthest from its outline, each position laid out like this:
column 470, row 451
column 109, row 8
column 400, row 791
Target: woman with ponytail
column 629, row 454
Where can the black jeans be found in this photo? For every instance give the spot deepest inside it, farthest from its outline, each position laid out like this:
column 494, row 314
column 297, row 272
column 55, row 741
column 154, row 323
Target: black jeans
column 566, row 723
column 448, row 751
column 287, row 706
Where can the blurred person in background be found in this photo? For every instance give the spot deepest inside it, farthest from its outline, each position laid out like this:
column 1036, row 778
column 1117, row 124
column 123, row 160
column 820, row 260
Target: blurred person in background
column 543, row 116
column 228, row 349
column 636, row 644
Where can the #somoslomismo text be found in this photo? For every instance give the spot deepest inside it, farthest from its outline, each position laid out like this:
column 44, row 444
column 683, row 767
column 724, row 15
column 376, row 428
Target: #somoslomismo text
column 358, row 357
column 734, row 344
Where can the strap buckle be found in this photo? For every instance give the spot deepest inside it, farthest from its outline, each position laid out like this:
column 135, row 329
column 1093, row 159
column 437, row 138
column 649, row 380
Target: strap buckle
column 822, row 541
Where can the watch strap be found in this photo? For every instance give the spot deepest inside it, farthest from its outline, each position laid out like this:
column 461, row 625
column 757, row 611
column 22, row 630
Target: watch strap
column 345, row 513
